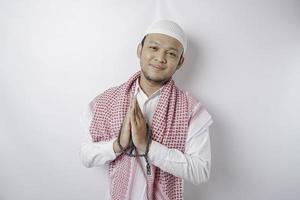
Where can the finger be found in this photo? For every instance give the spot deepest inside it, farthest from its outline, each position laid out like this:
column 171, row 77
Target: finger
column 135, row 107
column 139, row 111
column 134, row 103
column 132, row 116
column 129, row 109
column 131, row 112
column 126, row 120
column 133, row 122
column 130, row 104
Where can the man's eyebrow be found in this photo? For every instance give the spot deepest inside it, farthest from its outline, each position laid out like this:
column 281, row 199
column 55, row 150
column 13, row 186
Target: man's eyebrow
column 157, row 43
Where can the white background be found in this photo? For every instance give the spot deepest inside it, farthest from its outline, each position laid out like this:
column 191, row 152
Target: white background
column 242, row 62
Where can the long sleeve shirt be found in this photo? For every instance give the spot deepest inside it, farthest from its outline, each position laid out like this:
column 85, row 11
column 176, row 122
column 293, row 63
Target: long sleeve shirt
column 193, row 165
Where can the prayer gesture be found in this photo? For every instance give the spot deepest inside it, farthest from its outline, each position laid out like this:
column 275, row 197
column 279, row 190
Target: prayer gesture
column 134, row 128
column 125, row 134
column 138, row 126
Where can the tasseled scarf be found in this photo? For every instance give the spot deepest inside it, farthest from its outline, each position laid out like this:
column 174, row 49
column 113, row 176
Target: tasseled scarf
column 169, row 127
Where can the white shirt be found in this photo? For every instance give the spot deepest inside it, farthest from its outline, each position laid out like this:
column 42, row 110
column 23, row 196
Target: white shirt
column 193, row 165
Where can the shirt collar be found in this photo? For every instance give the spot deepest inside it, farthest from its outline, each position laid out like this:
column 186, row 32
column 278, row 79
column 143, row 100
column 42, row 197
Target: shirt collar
column 138, row 89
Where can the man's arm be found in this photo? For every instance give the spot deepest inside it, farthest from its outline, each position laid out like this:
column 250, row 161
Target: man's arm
column 93, row 154
column 194, row 164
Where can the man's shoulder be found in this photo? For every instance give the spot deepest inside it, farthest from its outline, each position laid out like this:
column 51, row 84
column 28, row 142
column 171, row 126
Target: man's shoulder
column 107, row 96
column 111, row 91
column 191, row 98
column 195, row 107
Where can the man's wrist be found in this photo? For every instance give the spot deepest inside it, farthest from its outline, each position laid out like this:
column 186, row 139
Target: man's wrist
column 143, row 147
column 116, row 147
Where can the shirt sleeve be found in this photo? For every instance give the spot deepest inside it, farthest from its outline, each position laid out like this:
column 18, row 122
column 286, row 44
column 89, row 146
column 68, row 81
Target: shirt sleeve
column 94, row 154
column 194, row 164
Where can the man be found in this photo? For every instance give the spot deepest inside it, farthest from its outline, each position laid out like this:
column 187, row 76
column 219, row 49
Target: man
column 149, row 116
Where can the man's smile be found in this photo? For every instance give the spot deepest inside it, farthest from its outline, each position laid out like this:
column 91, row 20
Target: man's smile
column 158, row 67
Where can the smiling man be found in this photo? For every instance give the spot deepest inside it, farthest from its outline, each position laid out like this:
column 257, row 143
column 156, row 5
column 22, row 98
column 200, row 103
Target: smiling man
column 151, row 134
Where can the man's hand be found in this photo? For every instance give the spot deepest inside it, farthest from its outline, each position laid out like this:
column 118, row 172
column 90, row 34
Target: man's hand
column 125, row 133
column 138, row 127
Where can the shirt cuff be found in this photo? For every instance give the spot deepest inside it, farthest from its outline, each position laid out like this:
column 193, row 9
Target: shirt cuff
column 108, row 150
column 164, row 158
column 157, row 152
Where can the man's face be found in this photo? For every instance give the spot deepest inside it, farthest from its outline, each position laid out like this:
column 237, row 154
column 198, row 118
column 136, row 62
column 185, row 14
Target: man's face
column 160, row 57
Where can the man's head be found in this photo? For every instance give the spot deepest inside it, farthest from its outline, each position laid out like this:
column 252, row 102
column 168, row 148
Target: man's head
column 161, row 51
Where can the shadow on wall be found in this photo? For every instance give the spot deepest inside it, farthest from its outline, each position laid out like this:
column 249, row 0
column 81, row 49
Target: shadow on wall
column 223, row 170
column 191, row 68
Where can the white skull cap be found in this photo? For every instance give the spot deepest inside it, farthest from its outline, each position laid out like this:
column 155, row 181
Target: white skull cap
column 169, row 28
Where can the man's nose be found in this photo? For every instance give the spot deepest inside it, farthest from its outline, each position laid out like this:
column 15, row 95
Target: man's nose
column 160, row 57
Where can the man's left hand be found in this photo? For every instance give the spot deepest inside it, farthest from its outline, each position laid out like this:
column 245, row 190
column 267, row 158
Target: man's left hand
column 138, row 127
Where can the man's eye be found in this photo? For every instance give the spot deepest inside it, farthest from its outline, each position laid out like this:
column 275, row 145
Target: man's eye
column 173, row 54
column 151, row 47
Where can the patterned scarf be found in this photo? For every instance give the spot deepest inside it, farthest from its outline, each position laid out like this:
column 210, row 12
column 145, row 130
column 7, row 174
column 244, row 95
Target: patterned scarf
column 169, row 127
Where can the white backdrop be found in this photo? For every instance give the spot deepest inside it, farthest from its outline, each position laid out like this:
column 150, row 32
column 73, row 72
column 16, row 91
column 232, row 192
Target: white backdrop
column 242, row 63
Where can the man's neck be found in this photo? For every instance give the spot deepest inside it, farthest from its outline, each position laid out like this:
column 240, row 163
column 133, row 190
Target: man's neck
column 149, row 87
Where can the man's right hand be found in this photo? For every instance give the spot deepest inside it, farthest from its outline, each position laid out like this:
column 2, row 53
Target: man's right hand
column 125, row 133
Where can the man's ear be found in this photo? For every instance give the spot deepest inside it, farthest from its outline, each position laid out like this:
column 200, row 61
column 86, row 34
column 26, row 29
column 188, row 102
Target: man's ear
column 139, row 50
column 180, row 63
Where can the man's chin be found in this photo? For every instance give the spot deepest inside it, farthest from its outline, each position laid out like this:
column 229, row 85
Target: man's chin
column 155, row 79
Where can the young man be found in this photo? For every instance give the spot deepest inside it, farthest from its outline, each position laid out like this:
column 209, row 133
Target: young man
column 151, row 134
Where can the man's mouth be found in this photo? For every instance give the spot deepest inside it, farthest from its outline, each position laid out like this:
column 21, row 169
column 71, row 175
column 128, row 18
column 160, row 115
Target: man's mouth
column 157, row 66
